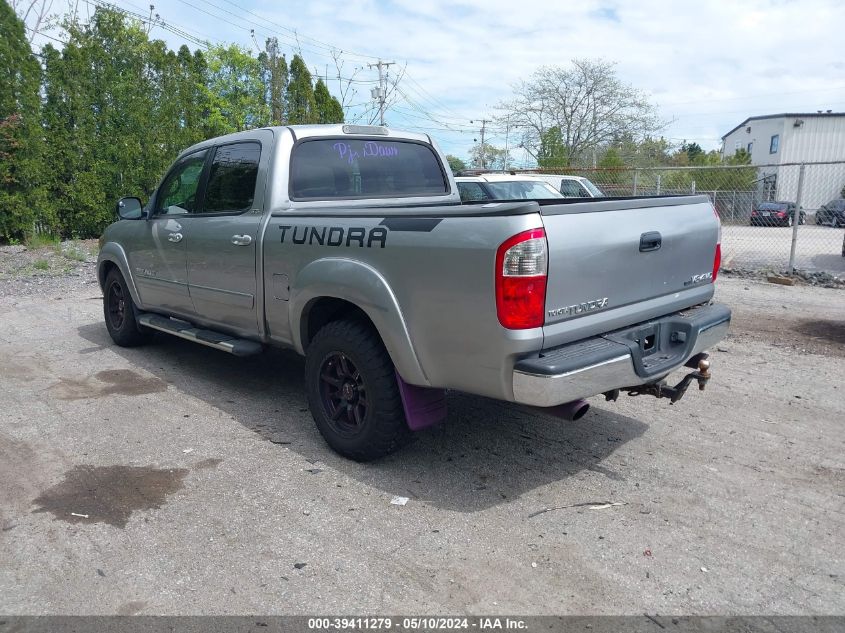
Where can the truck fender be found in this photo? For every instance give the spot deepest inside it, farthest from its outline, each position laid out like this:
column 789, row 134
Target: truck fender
column 114, row 253
column 363, row 286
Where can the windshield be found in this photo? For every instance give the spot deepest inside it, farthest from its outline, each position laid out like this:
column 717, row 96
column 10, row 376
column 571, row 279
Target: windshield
column 522, row 190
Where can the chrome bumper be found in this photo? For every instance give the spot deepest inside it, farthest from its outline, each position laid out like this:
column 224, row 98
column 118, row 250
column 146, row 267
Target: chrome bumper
column 535, row 381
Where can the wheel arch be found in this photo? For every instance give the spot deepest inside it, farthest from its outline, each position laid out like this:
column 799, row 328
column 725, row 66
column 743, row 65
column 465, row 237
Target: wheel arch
column 113, row 256
column 334, row 288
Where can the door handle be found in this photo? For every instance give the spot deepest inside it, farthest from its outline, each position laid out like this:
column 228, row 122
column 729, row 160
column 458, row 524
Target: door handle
column 241, row 240
column 174, row 237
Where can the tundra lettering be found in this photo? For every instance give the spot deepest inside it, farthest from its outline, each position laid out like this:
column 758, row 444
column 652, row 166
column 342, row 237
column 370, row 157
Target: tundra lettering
column 578, row 308
column 333, row 236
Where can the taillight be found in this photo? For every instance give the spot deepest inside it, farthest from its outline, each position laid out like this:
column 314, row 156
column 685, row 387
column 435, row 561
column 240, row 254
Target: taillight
column 717, row 261
column 521, row 270
column 717, row 256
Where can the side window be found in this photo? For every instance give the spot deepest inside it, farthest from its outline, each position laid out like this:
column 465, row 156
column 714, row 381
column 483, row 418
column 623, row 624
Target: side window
column 571, row 189
column 231, row 180
column 178, row 193
column 471, row 192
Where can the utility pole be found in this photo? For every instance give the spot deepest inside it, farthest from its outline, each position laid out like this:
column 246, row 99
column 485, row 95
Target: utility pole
column 484, row 123
column 507, row 138
column 380, row 93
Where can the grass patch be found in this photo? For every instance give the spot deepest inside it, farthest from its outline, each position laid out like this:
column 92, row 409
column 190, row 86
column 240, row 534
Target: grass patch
column 42, row 240
column 41, row 264
column 75, row 253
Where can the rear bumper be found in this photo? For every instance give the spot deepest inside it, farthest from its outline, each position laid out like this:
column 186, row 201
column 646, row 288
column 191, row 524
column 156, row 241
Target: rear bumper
column 629, row 357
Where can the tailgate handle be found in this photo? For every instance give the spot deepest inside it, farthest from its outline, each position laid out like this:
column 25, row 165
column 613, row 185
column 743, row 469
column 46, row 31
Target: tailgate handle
column 650, row 241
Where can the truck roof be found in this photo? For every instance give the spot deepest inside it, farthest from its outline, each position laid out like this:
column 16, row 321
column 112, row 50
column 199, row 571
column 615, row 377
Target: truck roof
column 320, row 130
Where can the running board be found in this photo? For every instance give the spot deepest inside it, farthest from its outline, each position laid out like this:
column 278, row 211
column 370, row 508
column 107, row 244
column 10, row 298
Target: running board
column 217, row 340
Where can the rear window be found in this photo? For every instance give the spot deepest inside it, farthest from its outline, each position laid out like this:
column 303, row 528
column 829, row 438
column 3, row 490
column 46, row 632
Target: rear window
column 343, row 168
column 772, row 206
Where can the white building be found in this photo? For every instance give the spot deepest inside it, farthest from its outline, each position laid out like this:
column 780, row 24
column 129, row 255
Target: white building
column 775, row 140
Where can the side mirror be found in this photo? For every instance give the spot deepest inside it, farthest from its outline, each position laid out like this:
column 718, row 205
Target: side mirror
column 130, row 209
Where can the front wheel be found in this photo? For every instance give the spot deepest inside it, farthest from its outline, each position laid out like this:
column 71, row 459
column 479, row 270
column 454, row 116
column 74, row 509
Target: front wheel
column 352, row 392
column 119, row 313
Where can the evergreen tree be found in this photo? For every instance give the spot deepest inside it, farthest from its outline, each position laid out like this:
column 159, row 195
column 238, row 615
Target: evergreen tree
column 21, row 194
column 301, row 105
column 328, row 109
column 275, row 80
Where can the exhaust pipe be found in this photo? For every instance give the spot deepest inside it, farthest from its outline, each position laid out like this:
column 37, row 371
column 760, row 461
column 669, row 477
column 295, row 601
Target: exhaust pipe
column 570, row 411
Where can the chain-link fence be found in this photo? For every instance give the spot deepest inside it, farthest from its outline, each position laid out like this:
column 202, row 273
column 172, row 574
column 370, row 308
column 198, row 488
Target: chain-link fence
column 757, row 205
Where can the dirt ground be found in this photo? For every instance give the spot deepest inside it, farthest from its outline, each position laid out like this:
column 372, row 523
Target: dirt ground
column 175, row 479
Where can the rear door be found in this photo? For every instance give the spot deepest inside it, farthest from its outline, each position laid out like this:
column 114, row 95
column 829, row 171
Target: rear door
column 223, row 237
column 609, row 254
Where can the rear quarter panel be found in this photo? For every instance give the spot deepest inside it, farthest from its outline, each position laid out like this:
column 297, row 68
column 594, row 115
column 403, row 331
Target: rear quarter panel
column 440, row 271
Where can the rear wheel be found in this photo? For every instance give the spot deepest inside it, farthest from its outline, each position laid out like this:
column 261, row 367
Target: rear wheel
column 352, row 392
column 119, row 313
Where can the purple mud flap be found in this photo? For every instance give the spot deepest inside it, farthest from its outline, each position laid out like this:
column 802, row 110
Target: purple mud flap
column 424, row 407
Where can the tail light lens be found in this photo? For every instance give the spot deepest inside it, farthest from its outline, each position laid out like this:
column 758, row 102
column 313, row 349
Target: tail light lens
column 717, row 261
column 717, row 256
column 521, row 272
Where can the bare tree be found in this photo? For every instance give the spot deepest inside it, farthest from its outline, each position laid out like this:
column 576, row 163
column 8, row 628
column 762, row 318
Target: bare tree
column 574, row 110
column 33, row 13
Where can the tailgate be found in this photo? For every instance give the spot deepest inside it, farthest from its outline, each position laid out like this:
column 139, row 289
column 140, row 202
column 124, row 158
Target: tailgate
column 613, row 253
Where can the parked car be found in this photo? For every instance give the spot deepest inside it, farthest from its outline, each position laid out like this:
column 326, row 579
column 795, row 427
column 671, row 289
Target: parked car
column 504, row 187
column 350, row 245
column 832, row 213
column 572, row 186
column 776, row 214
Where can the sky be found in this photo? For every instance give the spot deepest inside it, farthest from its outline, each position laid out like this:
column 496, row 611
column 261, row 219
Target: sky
column 707, row 65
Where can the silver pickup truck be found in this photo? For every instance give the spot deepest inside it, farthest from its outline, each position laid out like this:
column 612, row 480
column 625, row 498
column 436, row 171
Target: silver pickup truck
column 350, row 245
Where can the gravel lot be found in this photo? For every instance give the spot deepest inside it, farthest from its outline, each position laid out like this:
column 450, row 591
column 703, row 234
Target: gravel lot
column 174, row 479
column 819, row 248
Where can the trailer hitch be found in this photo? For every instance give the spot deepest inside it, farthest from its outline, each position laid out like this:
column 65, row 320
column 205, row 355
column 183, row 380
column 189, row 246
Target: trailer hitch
column 662, row 390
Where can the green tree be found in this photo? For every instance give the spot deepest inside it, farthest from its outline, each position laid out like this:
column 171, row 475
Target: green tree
column 611, row 159
column 301, row 104
column 327, row 108
column 236, row 90
column 488, row 157
column 21, row 194
column 275, row 80
column 455, row 163
column 553, row 150
column 694, row 152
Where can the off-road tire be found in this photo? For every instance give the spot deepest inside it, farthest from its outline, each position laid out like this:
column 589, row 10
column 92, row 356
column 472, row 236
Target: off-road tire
column 371, row 375
column 119, row 313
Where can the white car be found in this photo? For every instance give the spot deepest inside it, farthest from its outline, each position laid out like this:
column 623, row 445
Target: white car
column 504, row 187
column 572, row 186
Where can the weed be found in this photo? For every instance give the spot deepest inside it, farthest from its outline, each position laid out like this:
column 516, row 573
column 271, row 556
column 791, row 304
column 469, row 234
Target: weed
column 35, row 241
